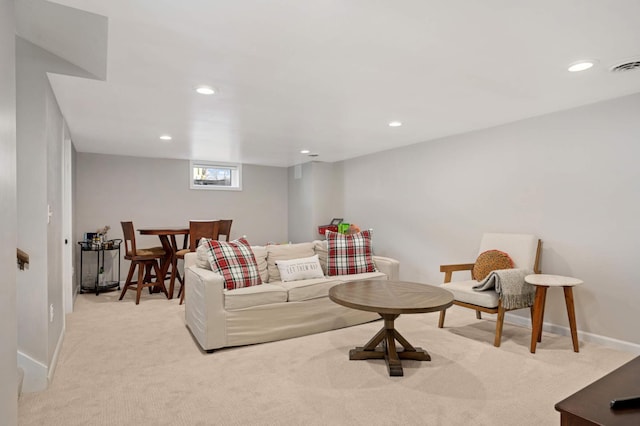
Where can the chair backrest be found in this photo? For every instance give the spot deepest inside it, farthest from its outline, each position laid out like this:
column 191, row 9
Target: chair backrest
column 524, row 249
column 225, row 228
column 199, row 229
column 129, row 238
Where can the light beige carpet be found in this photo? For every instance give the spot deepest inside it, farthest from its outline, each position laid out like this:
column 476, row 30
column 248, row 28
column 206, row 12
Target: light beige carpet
column 123, row 364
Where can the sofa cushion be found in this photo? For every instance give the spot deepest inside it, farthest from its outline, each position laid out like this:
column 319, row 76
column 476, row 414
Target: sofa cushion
column 521, row 247
column 277, row 252
column 300, row 269
column 321, row 249
column 235, row 261
column 308, row 289
column 349, row 254
column 364, row 276
column 260, row 253
column 254, row 296
column 489, row 261
column 463, row 292
column 202, row 256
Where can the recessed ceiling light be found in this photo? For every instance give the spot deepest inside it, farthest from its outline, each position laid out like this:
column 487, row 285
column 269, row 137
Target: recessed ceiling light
column 395, row 124
column 165, row 137
column 205, row 90
column 580, row 66
column 305, row 151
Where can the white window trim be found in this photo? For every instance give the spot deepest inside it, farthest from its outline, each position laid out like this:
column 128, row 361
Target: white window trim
column 236, row 175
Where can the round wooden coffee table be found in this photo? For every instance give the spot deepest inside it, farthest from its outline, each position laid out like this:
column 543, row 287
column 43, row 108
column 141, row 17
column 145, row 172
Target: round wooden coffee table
column 390, row 299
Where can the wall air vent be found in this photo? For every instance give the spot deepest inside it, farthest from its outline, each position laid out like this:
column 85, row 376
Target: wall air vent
column 626, row 66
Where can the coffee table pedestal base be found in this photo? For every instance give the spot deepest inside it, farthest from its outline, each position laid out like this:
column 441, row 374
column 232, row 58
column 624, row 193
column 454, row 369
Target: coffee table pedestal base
column 383, row 345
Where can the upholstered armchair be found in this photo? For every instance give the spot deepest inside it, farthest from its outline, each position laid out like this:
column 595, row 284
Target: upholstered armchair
column 524, row 252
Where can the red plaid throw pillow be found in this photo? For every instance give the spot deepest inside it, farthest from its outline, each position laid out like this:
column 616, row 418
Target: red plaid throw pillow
column 349, row 254
column 235, row 261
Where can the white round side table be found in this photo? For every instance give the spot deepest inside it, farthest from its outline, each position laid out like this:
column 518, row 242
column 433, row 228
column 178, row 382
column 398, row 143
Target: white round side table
column 542, row 283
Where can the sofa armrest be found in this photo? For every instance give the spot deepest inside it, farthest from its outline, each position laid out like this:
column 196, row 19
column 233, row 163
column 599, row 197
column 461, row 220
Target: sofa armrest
column 388, row 266
column 190, row 259
column 212, row 281
column 450, row 269
column 204, row 306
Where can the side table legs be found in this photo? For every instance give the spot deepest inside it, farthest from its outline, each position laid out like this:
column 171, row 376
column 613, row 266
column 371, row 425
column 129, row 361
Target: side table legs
column 538, row 317
column 568, row 300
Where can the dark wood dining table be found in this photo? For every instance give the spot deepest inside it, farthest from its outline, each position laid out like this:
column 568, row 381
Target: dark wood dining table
column 169, row 242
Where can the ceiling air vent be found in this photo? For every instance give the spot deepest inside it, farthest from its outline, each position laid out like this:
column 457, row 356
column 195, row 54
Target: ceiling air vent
column 626, row 66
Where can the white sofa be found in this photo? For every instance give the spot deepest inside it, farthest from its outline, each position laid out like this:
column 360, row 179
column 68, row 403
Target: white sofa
column 274, row 310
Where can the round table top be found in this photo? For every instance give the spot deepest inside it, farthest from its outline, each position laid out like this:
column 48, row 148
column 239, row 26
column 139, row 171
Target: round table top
column 552, row 280
column 391, row 297
column 166, row 230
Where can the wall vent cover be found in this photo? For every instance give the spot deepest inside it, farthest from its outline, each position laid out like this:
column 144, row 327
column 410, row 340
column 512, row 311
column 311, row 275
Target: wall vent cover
column 626, row 66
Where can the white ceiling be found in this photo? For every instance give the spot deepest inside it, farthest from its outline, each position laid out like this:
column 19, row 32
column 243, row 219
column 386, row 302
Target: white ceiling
column 329, row 75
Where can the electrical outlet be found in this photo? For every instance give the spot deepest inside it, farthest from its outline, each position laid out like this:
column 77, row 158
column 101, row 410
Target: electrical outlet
column 51, row 313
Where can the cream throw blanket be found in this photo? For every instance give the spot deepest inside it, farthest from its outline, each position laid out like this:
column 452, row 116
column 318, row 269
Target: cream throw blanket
column 514, row 292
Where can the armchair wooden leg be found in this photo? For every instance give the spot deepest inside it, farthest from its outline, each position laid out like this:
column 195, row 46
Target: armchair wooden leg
column 499, row 323
column 478, row 315
column 441, row 320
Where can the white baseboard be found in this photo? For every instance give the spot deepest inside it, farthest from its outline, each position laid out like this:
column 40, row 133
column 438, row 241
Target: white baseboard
column 20, row 380
column 35, row 373
column 582, row 335
column 54, row 360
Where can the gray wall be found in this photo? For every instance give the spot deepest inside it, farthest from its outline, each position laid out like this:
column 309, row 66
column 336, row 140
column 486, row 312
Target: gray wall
column 572, row 178
column 155, row 192
column 328, row 190
column 8, row 321
column 54, row 124
column 301, row 203
column 39, row 184
column 74, row 226
column 315, row 197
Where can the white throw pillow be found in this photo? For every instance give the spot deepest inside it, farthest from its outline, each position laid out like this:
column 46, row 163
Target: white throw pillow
column 277, row 252
column 300, row 269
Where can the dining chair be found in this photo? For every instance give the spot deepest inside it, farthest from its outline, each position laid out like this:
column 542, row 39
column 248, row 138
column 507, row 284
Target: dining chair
column 145, row 259
column 225, row 228
column 198, row 229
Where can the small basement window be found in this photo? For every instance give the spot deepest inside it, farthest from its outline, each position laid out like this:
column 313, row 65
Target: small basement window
column 215, row 175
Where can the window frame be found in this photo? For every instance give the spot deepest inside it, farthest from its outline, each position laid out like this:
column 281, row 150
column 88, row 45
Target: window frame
column 236, row 175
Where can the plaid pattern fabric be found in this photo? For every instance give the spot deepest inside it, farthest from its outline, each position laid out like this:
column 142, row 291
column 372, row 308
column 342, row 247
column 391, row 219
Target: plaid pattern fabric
column 349, row 254
column 235, row 261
